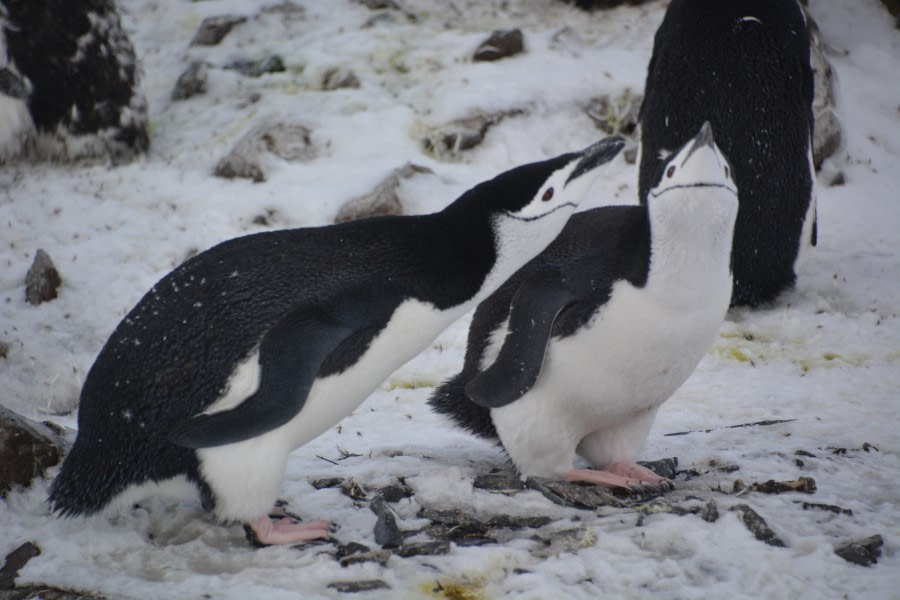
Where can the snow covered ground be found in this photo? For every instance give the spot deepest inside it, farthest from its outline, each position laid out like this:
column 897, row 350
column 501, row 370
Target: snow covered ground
column 826, row 356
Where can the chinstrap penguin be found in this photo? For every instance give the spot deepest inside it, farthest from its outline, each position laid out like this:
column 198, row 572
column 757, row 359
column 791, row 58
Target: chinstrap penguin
column 575, row 353
column 258, row 345
column 744, row 66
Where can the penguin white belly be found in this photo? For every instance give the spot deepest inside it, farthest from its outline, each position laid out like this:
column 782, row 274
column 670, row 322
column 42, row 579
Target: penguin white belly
column 246, row 476
column 609, row 378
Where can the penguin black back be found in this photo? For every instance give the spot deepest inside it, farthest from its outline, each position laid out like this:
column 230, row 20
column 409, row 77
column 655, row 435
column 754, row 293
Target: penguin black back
column 744, row 66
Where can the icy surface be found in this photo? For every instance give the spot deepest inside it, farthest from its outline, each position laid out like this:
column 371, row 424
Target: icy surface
column 826, row 356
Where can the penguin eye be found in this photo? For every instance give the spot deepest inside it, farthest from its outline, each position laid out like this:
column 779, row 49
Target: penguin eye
column 547, row 195
column 670, row 171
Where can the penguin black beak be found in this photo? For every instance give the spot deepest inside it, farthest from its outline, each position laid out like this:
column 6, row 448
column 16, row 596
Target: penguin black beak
column 597, row 154
column 704, row 139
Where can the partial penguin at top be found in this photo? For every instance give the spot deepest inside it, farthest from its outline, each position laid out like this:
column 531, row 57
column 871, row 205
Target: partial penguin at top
column 744, row 66
column 260, row 344
column 572, row 357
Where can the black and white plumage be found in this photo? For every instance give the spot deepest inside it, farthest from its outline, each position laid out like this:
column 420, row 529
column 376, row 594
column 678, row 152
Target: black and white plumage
column 575, row 353
column 744, row 66
column 258, row 345
column 68, row 82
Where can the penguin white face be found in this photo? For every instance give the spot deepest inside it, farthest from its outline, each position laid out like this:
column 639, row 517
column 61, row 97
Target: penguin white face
column 697, row 164
column 561, row 183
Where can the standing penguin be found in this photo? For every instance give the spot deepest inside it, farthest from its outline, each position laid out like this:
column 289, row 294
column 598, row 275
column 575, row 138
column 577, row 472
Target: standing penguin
column 258, row 345
column 742, row 65
column 576, row 351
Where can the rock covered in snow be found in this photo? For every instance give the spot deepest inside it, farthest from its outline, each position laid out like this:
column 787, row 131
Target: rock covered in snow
column 192, row 82
column 288, row 141
column 214, row 29
column 383, row 200
column 42, row 279
column 71, row 88
column 503, row 43
column 27, row 449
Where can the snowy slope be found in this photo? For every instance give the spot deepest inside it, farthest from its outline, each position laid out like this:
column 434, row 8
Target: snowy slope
column 826, row 356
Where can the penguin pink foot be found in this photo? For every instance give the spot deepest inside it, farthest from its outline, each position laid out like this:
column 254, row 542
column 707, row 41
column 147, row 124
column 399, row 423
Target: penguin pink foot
column 267, row 532
column 623, row 474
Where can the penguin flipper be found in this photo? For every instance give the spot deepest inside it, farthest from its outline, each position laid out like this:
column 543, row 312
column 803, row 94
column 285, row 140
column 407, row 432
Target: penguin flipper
column 290, row 355
column 533, row 310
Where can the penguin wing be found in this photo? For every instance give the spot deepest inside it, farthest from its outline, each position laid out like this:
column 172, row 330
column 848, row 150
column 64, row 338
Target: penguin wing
column 290, row 355
column 533, row 310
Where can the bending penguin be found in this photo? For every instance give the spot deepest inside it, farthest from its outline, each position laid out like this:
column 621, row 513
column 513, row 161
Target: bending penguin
column 258, row 345
column 744, row 66
column 575, row 353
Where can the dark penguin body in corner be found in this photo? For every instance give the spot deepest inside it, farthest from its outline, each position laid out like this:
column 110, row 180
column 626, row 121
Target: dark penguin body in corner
column 575, row 353
column 258, row 345
column 744, row 66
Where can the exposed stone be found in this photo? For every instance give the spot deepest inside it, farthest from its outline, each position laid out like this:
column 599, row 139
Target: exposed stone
column 863, row 552
column 511, row 522
column 42, row 279
column 827, row 133
column 450, row 140
column 336, row 79
column 829, row 507
column 288, row 141
column 803, row 484
column 256, row 68
column 214, row 29
column 4, row 349
column 576, row 495
column 461, row 535
column 352, row 587
column 381, row 201
column 27, row 449
column 757, row 525
column 423, row 549
column 503, row 482
column 192, row 82
column 395, row 492
column 380, row 4
column 502, row 44
column 329, row 482
column 664, row 467
column 387, row 532
column 353, row 490
column 15, row 560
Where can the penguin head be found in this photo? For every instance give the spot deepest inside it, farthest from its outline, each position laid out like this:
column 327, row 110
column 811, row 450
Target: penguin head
column 699, row 163
column 557, row 185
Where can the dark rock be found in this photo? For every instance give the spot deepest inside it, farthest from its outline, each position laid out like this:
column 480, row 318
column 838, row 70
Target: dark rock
column 710, row 512
column 380, row 4
column 387, row 532
column 835, row 179
column 42, row 279
column 192, row 82
column 863, row 552
column 757, row 525
column 510, row 522
column 377, row 556
column 450, row 518
column 423, row 549
column 214, row 29
column 4, row 349
column 452, row 139
column 336, row 79
column 576, row 495
column 501, row 44
column 352, row 587
column 829, row 507
column 803, row 484
column 256, row 68
column 383, row 200
column 288, row 141
column 665, row 467
column 395, row 492
column 503, row 483
column 343, row 550
column 15, row 560
column 329, row 482
column 461, row 535
column 27, row 449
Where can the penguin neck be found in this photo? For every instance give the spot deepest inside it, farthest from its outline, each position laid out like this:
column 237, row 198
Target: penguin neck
column 691, row 236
